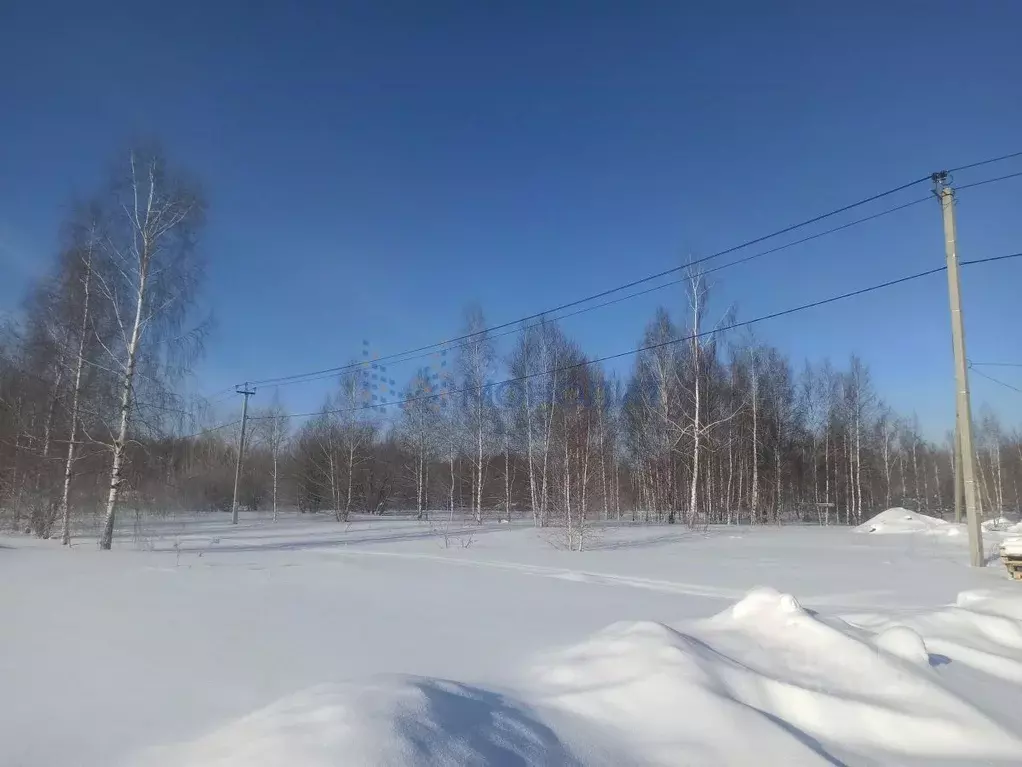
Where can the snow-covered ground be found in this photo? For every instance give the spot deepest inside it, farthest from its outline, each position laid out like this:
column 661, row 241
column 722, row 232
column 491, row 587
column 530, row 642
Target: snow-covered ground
column 310, row 643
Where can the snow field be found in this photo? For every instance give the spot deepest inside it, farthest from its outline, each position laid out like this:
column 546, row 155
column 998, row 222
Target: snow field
column 305, row 643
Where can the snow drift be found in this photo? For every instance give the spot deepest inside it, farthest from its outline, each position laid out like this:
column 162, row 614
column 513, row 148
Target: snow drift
column 898, row 521
column 801, row 688
column 398, row 720
column 765, row 681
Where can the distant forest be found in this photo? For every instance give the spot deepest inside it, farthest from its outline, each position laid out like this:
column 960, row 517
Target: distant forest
column 707, row 428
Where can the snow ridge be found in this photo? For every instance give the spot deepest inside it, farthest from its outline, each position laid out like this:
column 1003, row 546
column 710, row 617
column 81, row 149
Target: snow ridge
column 766, row 679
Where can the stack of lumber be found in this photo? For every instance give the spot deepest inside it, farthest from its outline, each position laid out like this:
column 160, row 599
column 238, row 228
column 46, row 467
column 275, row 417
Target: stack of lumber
column 1011, row 555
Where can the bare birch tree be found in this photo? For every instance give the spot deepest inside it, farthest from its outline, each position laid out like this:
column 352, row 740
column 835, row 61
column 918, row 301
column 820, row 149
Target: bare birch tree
column 419, row 430
column 475, row 365
column 87, row 241
column 274, row 434
column 147, row 271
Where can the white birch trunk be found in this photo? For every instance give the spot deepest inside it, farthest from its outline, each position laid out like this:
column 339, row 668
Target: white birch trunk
column 858, row 458
column 693, row 494
column 998, row 483
column 816, row 473
column 532, row 460
column 351, row 472
column 849, row 480
column 418, row 483
column 567, row 492
column 120, row 442
column 926, row 486
column 452, row 482
column 826, row 477
column 777, row 490
column 52, row 406
column 65, row 498
column 901, row 470
column 479, row 460
column 730, row 477
column 915, row 469
column 754, row 490
column 984, row 487
column 507, row 475
column 276, row 450
column 617, row 492
column 887, row 464
column 335, row 492
column 546, row 452
column 584, row 483
column 603, row 461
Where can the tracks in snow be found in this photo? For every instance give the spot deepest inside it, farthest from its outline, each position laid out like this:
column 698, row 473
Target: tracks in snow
column 589, row 577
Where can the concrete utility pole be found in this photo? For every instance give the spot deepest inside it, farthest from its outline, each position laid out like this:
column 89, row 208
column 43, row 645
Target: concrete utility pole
column 241, row 451
column 958, row 471
column 966, row 456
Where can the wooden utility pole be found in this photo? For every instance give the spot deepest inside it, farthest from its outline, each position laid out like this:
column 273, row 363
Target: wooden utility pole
column 946, row 196
column 241, row 451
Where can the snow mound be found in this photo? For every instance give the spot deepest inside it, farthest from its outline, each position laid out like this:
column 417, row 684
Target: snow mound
column 992, row 603
column 905, row 643
column 898, row 521
column 803, row 689
column 666, row 696
column 765, row 681
column 982, row 630
column 766, row 600
column 388, row 721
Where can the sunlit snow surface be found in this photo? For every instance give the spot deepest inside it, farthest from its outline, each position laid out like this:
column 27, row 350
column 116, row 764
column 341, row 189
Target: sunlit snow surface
column 306, row 642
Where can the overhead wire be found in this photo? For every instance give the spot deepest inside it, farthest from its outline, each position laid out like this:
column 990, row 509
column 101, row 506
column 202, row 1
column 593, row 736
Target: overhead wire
column 219, row 394
column 619, row 355
column 211, row 429
column 988, row 181
column 618, row 299
column 650, row 347
column 1005, row 384
column 989, row 161
column 989, row 260
column 429, row 349
column 454, row 342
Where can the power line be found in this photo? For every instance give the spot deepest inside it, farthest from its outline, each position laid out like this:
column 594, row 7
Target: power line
column 997, row 364
column 403, row 356
column 988, row 181
column 208, row 430
column 990, row 260
column 995, row 380
column 733, row 326
column 326, row 372
column 163, row 408
column 218, row 395
column 986, row 162
column 412, row 356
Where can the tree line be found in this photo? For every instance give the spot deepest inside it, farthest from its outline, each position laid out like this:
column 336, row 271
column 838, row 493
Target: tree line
column 90, row 375
column 708, row 425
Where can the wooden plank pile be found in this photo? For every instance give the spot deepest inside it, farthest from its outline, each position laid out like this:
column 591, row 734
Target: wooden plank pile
column 1011, row 555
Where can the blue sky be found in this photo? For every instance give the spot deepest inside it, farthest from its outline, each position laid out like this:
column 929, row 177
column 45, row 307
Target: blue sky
column 372, row 167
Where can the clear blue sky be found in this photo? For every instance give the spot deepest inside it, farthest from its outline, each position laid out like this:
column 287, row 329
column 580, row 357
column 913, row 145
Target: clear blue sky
column 373, row 166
